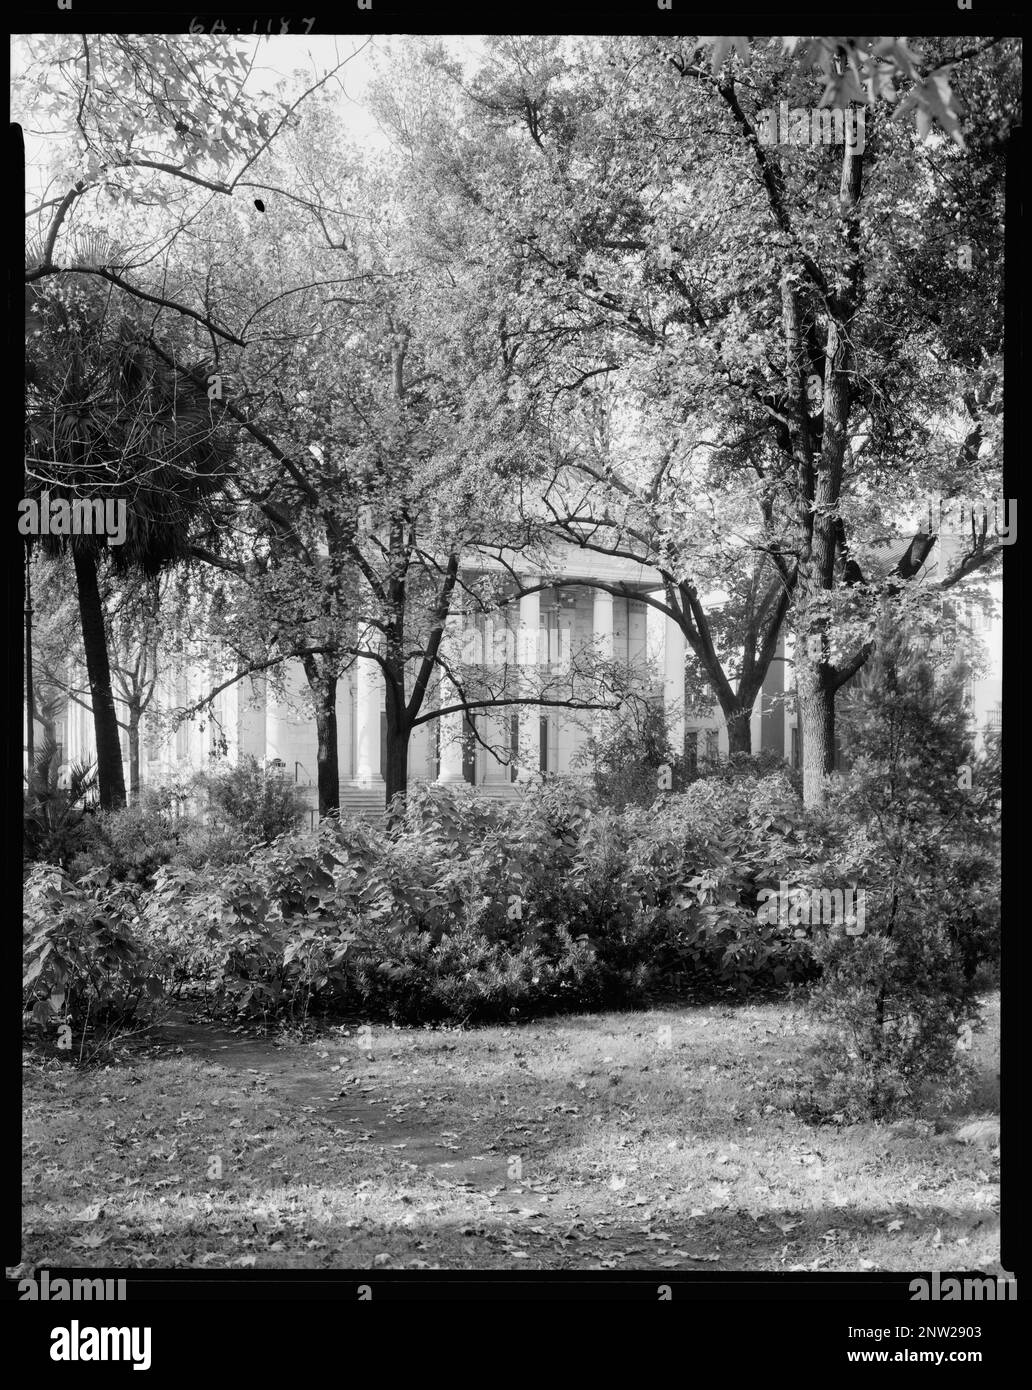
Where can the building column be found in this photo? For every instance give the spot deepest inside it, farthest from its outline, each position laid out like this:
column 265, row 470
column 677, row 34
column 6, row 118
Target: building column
column 756, row 724
column 665, row 644
column 368, row 707
column 528, row 641
column 346, row 731
column 495, row 722
column 655, row 634
column 278, row 718
column 772, row 705
column 251, row 704
column 450, row 726
column 673, row 683
column 603, row 632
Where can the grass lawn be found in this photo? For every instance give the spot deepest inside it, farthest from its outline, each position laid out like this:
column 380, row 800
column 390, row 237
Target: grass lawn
column 583, row 1142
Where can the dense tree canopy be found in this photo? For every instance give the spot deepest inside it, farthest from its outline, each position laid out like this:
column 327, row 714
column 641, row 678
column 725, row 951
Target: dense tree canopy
column 580, row 295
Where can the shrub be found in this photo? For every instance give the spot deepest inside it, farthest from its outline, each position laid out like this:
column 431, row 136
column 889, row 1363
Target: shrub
column 83, row 961
column 651, row 895
column 474, row 909
column 895, row 1006
column 711, row 850
column 624, row 763
column 258, row 802
column 57, row 810
column 894, row 999
column 130, row 843
column 749, row 767
column 270, row 932
column 133, row 843
column 467, row 977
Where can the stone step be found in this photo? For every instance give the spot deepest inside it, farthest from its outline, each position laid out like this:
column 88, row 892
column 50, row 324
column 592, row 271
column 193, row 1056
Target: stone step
column 368, row 802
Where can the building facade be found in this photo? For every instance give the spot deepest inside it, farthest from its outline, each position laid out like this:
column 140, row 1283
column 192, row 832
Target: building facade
column 273, row 721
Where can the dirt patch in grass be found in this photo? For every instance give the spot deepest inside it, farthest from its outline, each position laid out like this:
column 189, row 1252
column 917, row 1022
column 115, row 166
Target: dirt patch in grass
column 661, row 1139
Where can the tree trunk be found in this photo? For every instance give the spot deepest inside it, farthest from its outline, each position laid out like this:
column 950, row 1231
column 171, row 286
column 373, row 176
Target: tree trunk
column 134, row 752
column 110, row 776
column 327, row 761
column 46, row 721
column 817, row 721
column 739, row 730
column 819, row 471
column 736, row 705
column 324, row 697
column 30, row 694
column 395, row 773
column 399, row 731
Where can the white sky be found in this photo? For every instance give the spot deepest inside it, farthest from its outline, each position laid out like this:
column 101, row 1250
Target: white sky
column 278, row 57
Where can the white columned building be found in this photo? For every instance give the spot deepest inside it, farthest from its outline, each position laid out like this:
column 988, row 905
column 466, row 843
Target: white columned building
column 451, row 726
column 252, row 707
column 603, row 634
column 665, row 645
column 495, row 774
column 673, row 683
column 528, row 646
column 369, row 696
column 515, row 650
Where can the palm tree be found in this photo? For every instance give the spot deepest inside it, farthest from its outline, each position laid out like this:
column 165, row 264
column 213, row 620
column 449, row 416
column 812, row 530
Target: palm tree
column 56, row 806
column 106, row 420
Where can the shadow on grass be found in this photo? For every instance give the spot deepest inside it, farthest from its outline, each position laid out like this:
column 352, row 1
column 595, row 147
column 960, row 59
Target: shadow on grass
column 638, row 1140
column 823, row 1239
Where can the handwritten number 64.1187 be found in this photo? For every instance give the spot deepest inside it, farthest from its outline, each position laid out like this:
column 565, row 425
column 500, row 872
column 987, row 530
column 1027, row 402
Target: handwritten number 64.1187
column 219, row 26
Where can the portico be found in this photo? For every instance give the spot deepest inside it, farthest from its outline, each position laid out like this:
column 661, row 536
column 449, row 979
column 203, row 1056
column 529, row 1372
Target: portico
column 519, row 644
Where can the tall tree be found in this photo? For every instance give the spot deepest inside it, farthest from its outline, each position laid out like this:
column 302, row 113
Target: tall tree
column 383, row 441
column 137, row 616
column 753, row 302
column 108, row 423
column 136, row 130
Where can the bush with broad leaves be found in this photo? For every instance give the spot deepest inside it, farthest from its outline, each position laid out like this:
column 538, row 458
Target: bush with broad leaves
column 83, row 960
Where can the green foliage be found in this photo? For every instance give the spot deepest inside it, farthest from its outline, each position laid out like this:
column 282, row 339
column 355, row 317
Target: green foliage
column 269, row 932
column 865, row 69
column 107, row 417
column 133, row 843
column 925, row 847
column 624, row 762
column 473, row 910
column 143, row 100
column 83, row 961
column 260, row 803
column 56, row 816
column 748, row 766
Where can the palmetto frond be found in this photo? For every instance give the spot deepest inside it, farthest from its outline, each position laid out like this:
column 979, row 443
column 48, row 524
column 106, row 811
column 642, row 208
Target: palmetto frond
column 107, row 418
column 80, row 781
column 96, row 248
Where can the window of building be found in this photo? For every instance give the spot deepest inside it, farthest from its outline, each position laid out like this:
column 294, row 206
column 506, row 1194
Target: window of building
column 182, row 698
column 548, row 646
